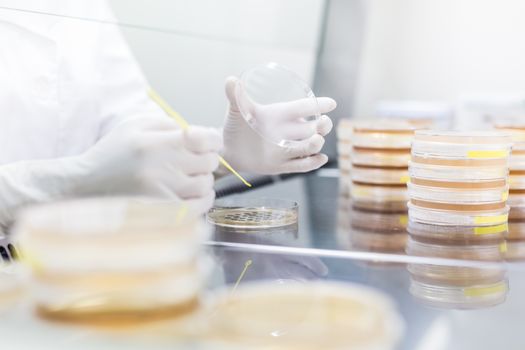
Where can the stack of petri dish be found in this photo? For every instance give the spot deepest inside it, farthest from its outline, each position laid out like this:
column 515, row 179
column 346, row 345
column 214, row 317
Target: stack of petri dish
column 380, row 157
column 459, row 178
column 344, row 150
column 112, row 261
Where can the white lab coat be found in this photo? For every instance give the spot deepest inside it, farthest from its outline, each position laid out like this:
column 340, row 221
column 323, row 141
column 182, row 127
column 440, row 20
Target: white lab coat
column 64, row 83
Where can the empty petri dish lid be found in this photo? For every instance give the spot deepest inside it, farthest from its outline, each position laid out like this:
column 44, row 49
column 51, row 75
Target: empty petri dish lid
column 460, row 297
column 380, row 176
column 380, row 157
column 463, row 235
column 457, row 173
column 360, row 191
column 457, row 218
column 296, row 315
column 458, row 195
column 253, row 213
column 259, row 92
column 383, row 134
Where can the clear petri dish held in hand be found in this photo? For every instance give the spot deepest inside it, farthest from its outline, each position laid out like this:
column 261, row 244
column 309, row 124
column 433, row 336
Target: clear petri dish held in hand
column 267, row 93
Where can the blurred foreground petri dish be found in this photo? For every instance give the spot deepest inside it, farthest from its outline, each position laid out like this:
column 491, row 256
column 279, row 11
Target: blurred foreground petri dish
column 262, row 88
column 304, row 315
column 11, row 286
column 112, row 261
column 253, row 214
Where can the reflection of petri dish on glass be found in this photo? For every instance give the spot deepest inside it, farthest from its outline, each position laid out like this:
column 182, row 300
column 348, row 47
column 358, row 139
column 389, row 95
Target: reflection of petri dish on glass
column 259, row 93
column 304, row 315
column 460, row 297
column 457, row 234
column 253, row 213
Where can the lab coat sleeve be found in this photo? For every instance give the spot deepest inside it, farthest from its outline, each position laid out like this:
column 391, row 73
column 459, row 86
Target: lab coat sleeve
column 39, row 181
column 123, row 93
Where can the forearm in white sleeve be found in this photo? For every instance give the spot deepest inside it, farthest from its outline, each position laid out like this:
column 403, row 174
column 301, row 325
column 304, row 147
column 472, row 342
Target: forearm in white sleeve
column 31, row 182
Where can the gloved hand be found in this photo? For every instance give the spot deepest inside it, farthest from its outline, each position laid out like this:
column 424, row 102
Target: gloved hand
column 246, row 150
column 139, row 157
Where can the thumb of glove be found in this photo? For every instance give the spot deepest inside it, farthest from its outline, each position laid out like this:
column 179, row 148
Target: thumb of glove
column 230, row 87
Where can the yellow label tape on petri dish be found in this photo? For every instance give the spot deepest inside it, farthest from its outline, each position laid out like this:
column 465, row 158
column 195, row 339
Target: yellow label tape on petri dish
column 404, row 179
column 488, row 230
column 481, row 220
column 403, row 220
column 503, row 247
column 481, row 291
column 487, row 154
column 504, row 196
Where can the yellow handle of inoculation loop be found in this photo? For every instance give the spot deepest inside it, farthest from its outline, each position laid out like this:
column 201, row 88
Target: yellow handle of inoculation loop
column 481, row 291
column 403, row 220
column 487, row 154
column 183, row 124
column 483, row 220
column 503, row 247
column 488, row 230
column 404, row 179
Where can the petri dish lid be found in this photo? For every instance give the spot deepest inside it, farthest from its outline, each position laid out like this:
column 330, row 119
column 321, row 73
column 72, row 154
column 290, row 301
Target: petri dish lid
column 264, row 86
column 464, row 137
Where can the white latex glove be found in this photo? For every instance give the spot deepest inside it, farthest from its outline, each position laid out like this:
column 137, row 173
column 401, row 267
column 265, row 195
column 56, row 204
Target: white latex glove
column 248, row 151
column 140, row 157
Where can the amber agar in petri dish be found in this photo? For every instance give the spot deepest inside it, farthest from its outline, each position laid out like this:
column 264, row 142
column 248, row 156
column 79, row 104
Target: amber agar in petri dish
column 112, row 261
column 391, row 158
column 383, row 134
column 462, row 196
column 254, row 213
column 379, row 176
